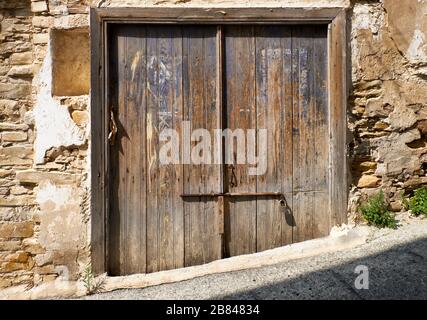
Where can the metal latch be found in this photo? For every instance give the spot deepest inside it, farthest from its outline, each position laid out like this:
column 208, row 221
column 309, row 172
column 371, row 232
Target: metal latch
column 279, row 195
column 113, row 128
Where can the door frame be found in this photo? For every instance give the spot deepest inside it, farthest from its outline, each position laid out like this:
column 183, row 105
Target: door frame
column 101, row 18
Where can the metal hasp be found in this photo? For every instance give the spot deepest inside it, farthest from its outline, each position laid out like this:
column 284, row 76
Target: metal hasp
column 280, row 195
column 234, row 194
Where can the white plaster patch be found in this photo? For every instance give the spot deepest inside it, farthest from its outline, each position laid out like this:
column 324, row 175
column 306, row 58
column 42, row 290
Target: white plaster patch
column 53, row 123
column 416, row 50
column 55, row 195
column 61, row 226
column 366, row 17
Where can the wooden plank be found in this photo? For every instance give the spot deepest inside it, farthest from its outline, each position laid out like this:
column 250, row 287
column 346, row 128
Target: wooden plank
column 134, row 244
column 193, row 174
column 269, row 107
column 112, row 157
column 218, row 144
column 152, row 125
column 286, row 141
column 337, row 75
column 177, row 173
column 321, row 214
column 304, row 141
column 166, row 99
column 212, row 173
column 116, row 159
column 201, row 240
column 98, row 217
column 240, row 102
column 122, row 148
column 221, row 15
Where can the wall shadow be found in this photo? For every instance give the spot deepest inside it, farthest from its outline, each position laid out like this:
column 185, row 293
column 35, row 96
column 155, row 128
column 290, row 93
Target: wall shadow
column 399, row 273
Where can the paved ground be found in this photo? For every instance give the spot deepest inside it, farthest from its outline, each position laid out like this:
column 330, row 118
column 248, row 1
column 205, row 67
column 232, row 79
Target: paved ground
column 396, row 260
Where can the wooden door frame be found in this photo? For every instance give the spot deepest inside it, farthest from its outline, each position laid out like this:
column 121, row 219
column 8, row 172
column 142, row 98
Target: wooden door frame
column 101, row 18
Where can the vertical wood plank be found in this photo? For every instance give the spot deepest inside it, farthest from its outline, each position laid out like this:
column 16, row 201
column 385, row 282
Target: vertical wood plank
column 98, row 152
column 152, row 123
column 286, row 143
column 304, row 140
column 201, row 240
column 117, row 177
column 194, row 207
column 212, row 172
column 269, row 104
column 134, row 244
column 337, row 105
column 218, row 144
column 113, row 198
column 321, row 214
column 241, row 115
column 177, row 174
column 166, row 99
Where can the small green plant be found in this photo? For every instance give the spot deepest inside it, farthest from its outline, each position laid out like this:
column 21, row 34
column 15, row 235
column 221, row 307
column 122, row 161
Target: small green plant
column 418, row 202
column 91, row 284
column 404, row 201
column 376, row 212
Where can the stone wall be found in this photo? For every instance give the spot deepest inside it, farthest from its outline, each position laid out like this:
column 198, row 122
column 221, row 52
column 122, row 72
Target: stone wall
column 44, row 131
column 44, row 146
column 388, row 102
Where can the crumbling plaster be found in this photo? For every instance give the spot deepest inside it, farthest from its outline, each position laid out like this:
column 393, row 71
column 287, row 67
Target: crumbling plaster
column 53, row 123
column 388, row 102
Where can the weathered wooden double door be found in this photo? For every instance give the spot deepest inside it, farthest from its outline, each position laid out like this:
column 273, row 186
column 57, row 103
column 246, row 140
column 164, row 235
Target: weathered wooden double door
column 273, row 77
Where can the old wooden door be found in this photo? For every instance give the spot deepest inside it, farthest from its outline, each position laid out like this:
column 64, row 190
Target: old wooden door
column 276, row 78
column 212, row 77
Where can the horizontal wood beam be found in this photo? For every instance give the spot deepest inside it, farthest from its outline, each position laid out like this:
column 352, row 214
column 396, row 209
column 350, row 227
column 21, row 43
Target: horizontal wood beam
column 219, row 15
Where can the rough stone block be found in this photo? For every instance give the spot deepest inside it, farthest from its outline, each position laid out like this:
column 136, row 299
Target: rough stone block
column 18, row 190
column 14, row 90
column 4, row 283
column 39, row 6
column 12, row 126
column 21, row 257
column 21, row 71
column 5, row 173
column 4, row 70
column 81, row 118
column 35, row 177
column 49, row 269
column 32, row 246
column 21, row 58
column 16, row 155
column 12, row 266
column 14, row 136
column 12, row 245
column 367, row 181
column 9, row 111
column 23, row 229
column 42, row 22
column 17, row 201
column 40, row 38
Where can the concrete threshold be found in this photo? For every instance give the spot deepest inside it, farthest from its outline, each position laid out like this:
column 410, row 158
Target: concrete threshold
column 340, row 238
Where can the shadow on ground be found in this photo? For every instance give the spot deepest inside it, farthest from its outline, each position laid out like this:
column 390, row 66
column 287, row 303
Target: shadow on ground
column 398, row 273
